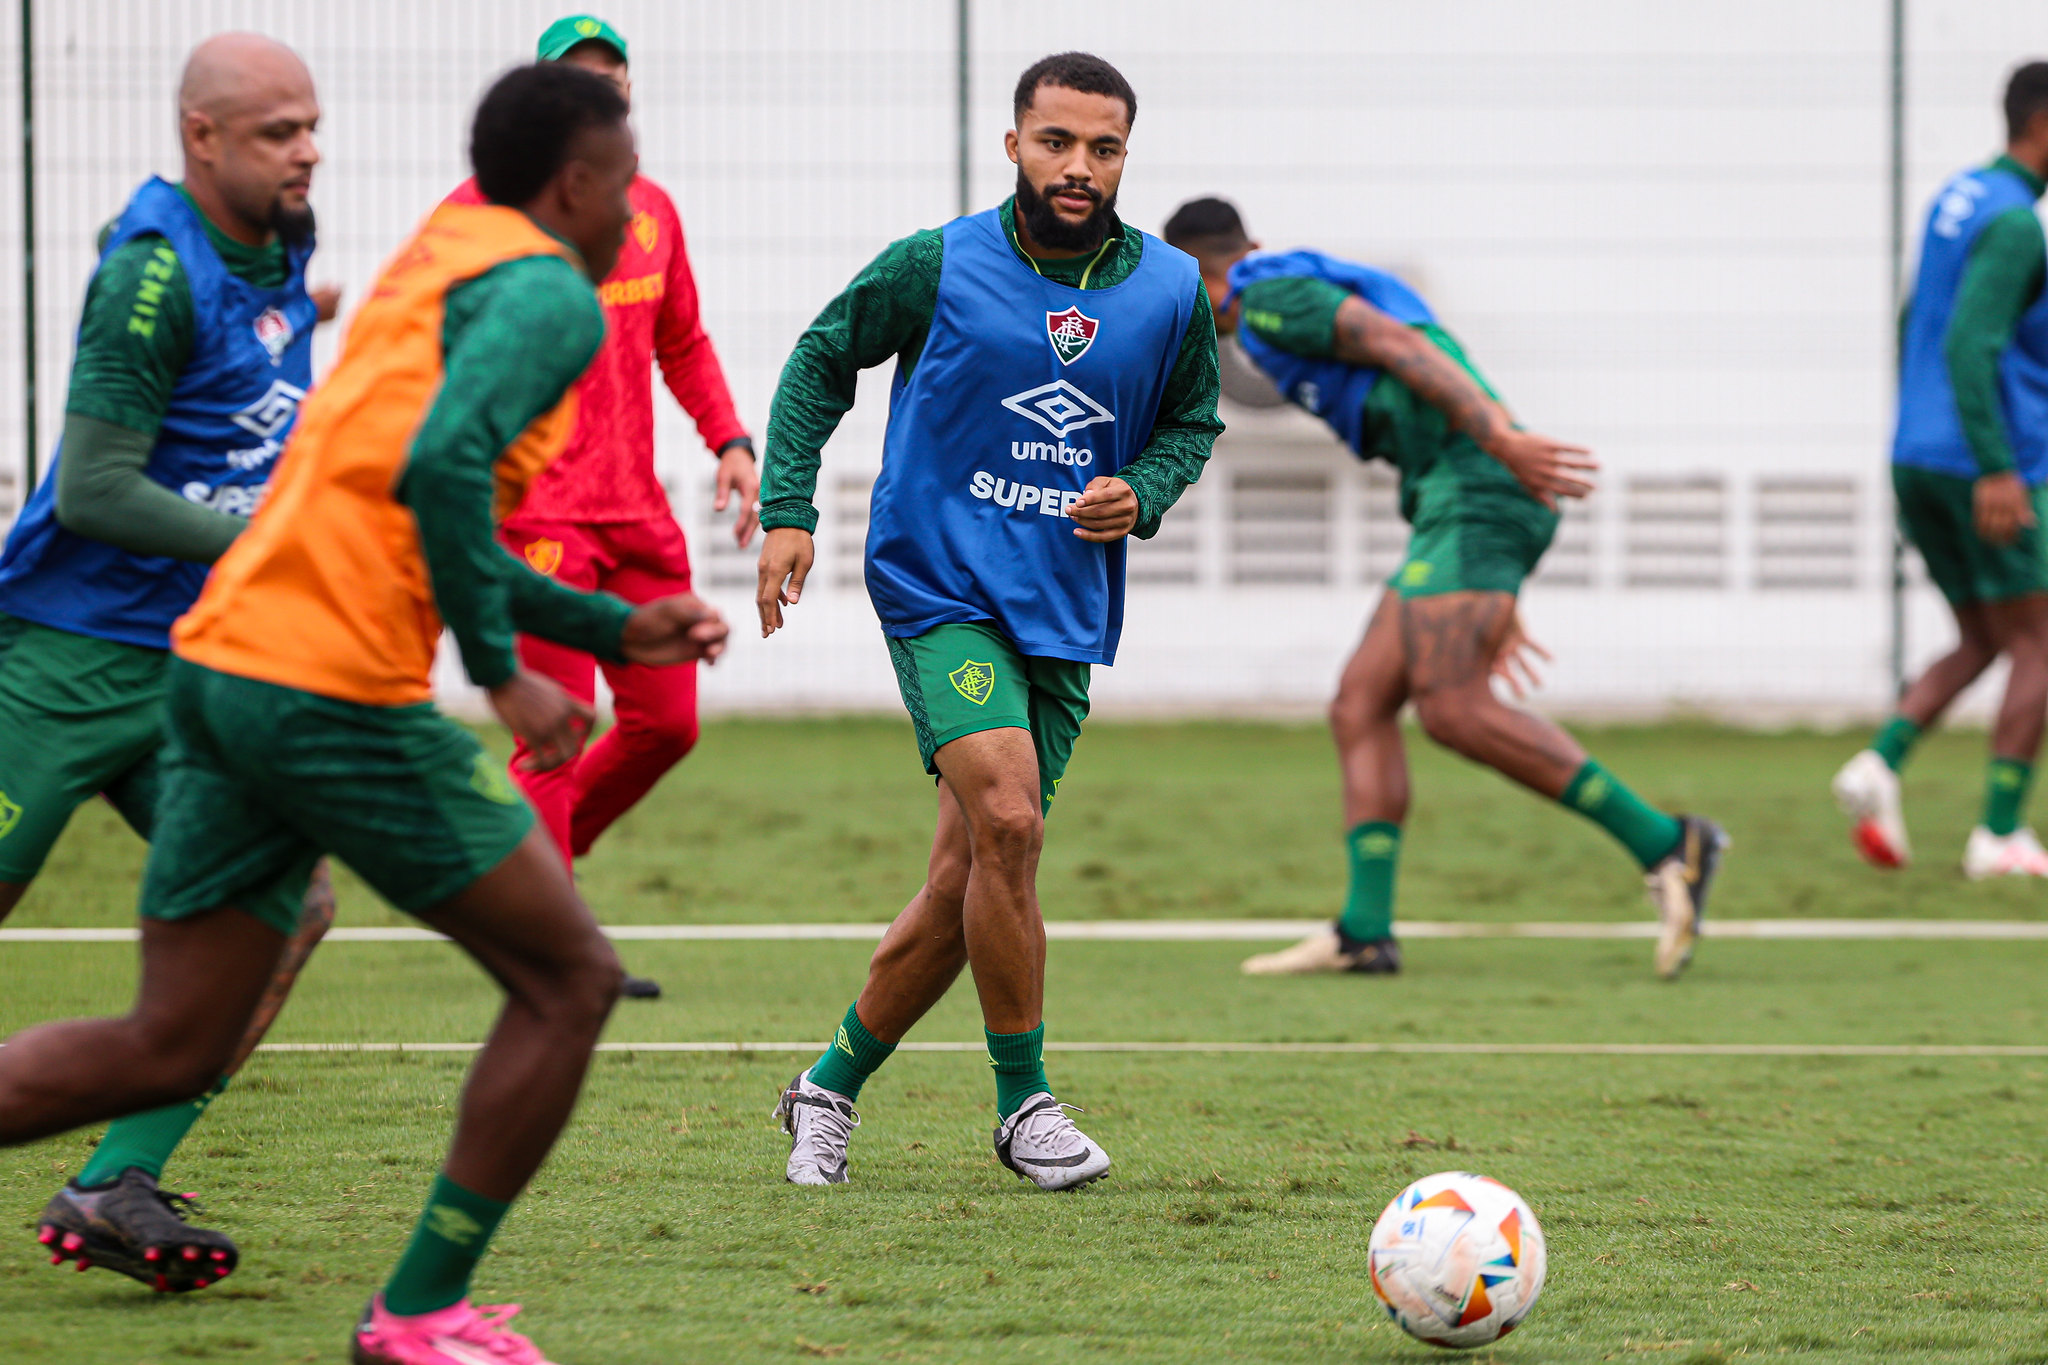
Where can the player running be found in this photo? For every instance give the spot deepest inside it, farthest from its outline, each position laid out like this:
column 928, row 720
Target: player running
column 1969, row 461
column 1055, row 392
column 300, row 711
column 194, row 350
column 1359, row 349
column 599, row 517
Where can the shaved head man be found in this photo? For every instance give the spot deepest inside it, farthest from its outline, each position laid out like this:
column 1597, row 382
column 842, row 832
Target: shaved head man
column 194, row 352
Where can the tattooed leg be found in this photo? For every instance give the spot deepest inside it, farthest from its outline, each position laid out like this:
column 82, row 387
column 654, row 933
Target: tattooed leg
column 1449, row 643
column 1365, row 719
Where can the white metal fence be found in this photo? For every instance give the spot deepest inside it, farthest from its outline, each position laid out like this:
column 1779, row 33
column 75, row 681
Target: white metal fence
column 1661, row 229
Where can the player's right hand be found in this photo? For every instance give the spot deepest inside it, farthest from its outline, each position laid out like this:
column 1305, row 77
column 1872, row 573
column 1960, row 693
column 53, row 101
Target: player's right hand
column 787, row 554
column 674, row 630
column 1549, row 469
column 551, row 723
column 2001, row 508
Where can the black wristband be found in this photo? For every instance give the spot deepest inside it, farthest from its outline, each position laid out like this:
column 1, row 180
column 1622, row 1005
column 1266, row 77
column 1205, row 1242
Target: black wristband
column 745, row 441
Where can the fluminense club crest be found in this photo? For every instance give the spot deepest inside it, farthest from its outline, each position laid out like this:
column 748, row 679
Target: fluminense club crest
column 1072, row 333
column 274, row 330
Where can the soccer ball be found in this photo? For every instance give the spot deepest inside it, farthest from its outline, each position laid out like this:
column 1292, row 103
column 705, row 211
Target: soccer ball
column 1457, row 1260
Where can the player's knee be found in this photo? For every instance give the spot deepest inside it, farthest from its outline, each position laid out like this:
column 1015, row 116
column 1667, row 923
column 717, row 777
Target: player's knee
column 586, row 985
column 1448, row 718
column 1008, row 827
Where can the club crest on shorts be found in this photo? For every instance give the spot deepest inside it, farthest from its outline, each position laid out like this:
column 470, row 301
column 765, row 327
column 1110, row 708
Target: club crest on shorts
column 645, row 230
column 1071, row 333
column 274, row 330
column 10, row 815
column 974, row 681
column 544, row 555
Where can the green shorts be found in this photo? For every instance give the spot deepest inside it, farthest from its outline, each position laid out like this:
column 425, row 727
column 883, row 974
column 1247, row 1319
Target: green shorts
column 79, row 716
column 260, row 780
column 1937, row 514
column 1473, row 530
column 960, row 679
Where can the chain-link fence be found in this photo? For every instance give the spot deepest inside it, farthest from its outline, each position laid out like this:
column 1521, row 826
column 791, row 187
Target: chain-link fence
column 1664, row 230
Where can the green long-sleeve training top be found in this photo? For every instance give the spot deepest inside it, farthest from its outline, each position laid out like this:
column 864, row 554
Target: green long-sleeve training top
column 2007, row 268
column 887, row 311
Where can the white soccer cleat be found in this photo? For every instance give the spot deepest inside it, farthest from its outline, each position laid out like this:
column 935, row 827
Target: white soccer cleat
column 1041, row 1144
column 819, row 1122
column 1324, row 951
column 1867, row 790
column 1679, row 887
column 2018, row 854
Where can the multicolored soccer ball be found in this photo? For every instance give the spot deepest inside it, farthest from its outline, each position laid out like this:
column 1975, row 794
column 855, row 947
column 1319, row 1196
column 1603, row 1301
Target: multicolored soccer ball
column 1457, row 1260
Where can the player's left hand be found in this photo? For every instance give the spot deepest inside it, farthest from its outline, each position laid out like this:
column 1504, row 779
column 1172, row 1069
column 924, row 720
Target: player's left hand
column 1514, row 656
column 326, row 301
column 738, row 478
column 1107, row 511
column 1549, row 469
column 674, row 630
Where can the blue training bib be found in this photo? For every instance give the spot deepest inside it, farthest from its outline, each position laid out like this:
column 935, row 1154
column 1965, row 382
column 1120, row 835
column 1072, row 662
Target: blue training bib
column 1930, row 431
column 1026, row 390
column 1332, row 389
column 230, row 412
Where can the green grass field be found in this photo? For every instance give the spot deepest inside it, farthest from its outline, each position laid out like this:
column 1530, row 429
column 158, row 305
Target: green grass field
column 1699, row 1208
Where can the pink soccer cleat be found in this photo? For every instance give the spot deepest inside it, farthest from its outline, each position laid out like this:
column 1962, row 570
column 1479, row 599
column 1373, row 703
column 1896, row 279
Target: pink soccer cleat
column 460, row 1334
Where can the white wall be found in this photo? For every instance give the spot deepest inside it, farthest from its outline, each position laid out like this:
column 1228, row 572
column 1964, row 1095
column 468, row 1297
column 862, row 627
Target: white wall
column 1660, row 229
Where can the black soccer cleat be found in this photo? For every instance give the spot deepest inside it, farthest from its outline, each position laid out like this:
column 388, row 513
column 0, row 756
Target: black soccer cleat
column 640, row 988
column 135, row 1228
column 1679, row 887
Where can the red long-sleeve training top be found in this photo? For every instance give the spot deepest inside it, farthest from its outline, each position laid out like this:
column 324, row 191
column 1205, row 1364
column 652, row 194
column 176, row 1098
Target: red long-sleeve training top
column 650, row 307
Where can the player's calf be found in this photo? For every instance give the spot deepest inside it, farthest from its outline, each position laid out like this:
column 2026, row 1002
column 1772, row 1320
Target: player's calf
column 132, row 1227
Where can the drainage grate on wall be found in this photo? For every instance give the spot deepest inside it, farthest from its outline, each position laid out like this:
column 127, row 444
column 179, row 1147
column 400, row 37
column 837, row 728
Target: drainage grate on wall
column 1675, row 531
column 1806, row 531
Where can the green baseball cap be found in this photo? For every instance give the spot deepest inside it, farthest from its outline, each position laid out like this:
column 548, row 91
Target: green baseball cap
column 564, row 34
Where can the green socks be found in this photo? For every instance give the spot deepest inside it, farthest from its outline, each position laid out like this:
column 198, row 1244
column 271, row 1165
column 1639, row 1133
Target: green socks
column 1601, row 797
column 1895, row 741
column 144, row 1140
column 1019, row 1060
column 2005, row 794
column 1369, row 908
column 854, row 1055
column 445, row 1247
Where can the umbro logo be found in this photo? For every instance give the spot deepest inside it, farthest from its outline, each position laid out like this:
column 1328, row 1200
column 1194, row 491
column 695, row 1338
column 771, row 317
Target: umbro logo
column 1059, row 407
column 273, row 412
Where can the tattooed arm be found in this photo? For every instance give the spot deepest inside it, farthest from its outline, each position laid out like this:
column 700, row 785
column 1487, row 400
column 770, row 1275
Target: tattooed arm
column 1548, row 469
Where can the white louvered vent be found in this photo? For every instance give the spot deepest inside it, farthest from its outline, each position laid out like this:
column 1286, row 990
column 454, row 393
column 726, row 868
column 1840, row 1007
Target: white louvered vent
column 1677, row 531
column 715, row 560
column 850, row 529
column 1806, row 532
column 1382, row 535
column 1173, row 557
column 1569, row 563
column 1280, row 526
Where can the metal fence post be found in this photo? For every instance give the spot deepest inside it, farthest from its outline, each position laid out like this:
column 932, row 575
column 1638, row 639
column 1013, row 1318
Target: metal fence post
column 28, row 250
column 1897, row 262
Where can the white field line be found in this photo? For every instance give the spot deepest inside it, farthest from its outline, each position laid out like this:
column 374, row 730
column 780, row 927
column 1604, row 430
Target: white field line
column 1304, row 1049
column 1199, row 931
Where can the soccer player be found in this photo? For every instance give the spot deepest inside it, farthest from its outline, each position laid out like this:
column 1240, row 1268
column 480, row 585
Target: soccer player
column 300, row 713
column 1359, row 349
column 1969, row 459
column 194, row 350
column 1055, row 392
column 599, row 517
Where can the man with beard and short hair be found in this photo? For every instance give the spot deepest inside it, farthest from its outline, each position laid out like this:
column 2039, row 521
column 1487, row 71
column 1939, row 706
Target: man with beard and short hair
column 1055, row 392
column 194, row 350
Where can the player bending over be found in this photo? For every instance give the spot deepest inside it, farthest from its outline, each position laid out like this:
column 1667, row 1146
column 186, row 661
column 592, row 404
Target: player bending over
column 599, row 517
column 1968, row 464
column 1360, row 350
column 301, row 718
column 1055, row 392
column 194, row 349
